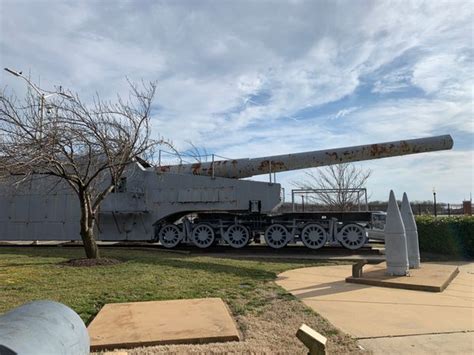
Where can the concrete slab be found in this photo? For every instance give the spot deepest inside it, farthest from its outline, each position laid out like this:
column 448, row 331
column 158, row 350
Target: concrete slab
column 430, row 277
column 366, row 311
column 450, row 343
column 125, row 325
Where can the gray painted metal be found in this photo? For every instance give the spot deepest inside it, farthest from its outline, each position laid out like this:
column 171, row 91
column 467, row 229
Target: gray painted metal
column 151, row 196
column 411, row 233
column 242, row 168
column 32, row 212
column 395, row 240
column 43, row 327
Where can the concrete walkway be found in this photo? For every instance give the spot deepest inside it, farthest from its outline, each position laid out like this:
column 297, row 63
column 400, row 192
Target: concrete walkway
column 446, row 343
column 386, row 320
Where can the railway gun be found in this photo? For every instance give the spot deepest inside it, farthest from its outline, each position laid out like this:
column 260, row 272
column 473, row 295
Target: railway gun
column 203, row 203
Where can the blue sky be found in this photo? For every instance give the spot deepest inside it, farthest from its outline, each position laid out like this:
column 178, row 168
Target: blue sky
column 254, row 78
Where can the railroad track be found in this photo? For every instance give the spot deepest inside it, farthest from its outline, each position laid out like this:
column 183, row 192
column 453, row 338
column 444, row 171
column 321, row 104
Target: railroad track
column 288, row 250
column 257, row 251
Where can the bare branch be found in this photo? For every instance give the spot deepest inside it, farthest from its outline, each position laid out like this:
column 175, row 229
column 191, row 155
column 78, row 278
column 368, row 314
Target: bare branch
column 199, row 155
column 86, row 145
column 345, row 179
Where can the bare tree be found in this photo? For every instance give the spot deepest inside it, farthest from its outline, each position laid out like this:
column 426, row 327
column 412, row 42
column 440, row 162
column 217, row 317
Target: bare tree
column 87, row 146
column 342, row 179
column 200, row 155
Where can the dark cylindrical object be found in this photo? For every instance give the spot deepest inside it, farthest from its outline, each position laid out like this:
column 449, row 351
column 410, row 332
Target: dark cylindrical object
column 43, row 327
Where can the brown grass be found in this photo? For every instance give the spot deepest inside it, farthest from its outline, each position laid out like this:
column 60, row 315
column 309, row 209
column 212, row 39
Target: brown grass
column 269, row 330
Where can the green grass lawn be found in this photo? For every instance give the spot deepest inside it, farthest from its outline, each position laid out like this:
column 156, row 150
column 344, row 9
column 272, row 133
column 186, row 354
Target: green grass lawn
column 33, row 273
column 266, row 314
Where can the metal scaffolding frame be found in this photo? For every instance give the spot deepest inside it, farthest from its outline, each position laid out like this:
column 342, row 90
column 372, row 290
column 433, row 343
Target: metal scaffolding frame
column 361, row 193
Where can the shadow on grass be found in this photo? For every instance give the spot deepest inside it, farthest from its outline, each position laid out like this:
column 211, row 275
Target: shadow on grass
column 155, row 257
column 23, row 264
column 143, row 257
column 236, row 270
column 43, row 252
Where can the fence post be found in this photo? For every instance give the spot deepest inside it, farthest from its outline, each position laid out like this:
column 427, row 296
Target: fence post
column 212, row 166
column 366, row 202
column 270, row 170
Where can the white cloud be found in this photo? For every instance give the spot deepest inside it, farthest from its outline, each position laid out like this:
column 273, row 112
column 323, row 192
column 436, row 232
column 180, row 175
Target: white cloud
column 234, row 75
column 447, row 75
column 412, row 117
column 346, row 111
column 394, row 81
column 416, row 175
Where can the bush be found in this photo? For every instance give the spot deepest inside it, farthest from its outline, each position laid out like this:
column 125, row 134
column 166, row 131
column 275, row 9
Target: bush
column 446, row 235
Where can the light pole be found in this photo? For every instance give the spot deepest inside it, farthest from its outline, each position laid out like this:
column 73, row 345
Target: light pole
column 434, row 202
column 43, row 95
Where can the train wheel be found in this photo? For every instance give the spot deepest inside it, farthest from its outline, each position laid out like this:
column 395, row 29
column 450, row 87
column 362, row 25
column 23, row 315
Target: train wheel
column 170, row 235
column 352, row 236
column 203, row 235
column 237, row 236
column 314, row 236
column 276, row 236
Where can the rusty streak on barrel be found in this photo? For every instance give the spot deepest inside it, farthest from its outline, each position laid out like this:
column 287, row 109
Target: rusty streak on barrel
column 242, row 168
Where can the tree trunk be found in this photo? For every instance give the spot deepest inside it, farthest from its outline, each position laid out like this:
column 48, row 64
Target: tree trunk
column 90, row 245
column 87, row 228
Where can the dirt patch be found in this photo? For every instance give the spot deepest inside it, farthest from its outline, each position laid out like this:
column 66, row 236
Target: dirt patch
column 85, row 262
column 270, row 329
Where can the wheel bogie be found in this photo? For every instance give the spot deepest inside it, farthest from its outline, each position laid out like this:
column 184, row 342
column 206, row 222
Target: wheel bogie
column 203, row 235
column 277, row 233
column 277, row 236
column 352, row 236
column 170, row 235
column 237, row 236
column 314, row 236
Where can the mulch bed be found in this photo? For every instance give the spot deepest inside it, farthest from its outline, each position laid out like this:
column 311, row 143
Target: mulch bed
column 84, row 262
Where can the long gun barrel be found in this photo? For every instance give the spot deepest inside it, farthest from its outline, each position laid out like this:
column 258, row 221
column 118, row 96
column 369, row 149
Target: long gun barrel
column 242, row 168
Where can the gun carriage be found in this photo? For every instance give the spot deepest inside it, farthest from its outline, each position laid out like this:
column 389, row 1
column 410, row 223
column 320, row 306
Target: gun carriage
column 204, row 203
